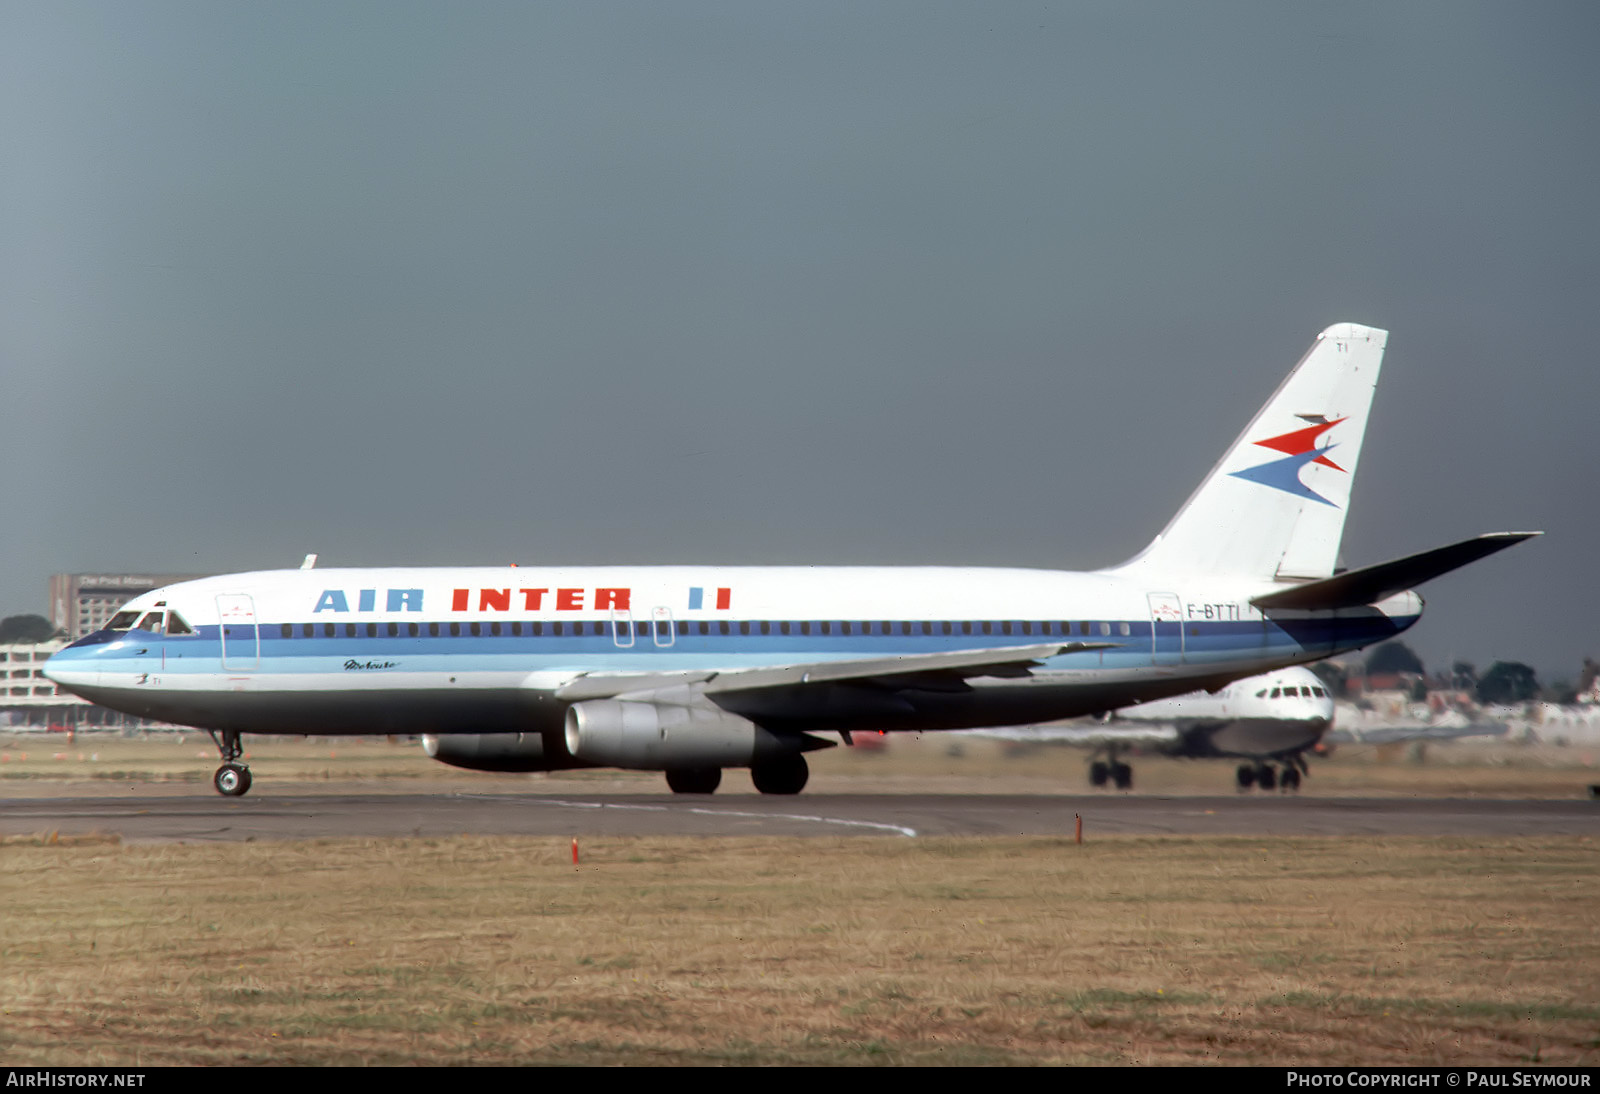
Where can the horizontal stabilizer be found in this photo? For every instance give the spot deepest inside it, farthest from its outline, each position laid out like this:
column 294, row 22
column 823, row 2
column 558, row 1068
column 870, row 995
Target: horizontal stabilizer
column 1370, row 584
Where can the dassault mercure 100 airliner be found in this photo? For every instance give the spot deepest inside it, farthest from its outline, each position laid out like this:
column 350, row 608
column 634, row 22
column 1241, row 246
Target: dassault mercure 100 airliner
column 1264, row 720
column 692, row 669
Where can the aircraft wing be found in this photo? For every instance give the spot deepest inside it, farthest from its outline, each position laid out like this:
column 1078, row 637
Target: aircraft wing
column 1370, row 584
column 938, row 671
column 1397, row 734
column 1084, row 735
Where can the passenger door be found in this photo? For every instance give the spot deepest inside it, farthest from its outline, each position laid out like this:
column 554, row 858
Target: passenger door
column 1166, row 628
column 241, row 642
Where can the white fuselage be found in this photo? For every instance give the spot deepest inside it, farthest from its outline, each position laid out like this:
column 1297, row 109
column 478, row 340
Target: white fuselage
column 492, row 649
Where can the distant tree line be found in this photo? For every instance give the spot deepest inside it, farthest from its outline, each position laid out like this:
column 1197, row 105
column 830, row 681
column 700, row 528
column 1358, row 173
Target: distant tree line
column 1505, row 682
column 26, row 628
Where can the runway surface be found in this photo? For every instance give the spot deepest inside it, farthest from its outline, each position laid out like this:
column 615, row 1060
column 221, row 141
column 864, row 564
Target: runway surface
column 198, row 816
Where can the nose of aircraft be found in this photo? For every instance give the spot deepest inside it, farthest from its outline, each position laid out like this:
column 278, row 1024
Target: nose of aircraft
column 76, row 665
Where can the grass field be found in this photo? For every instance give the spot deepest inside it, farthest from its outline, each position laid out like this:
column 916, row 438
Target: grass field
column 818, row 951
column 970, row 951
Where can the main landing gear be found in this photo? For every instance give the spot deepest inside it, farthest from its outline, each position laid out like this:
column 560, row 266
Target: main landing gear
column 1110, row 770
column 232, row 779
column 1268, row 777
column 694, row 780
column 785, row 775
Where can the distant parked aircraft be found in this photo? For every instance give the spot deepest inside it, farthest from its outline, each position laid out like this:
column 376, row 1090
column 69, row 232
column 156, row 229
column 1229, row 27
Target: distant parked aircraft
column 1266, row 720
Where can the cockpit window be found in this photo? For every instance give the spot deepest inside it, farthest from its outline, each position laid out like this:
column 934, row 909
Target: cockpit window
column 1277, row 693
column 152, row 622
column 1262, row 694
column 122, row 621
column 1320, row 694
column 176, row 625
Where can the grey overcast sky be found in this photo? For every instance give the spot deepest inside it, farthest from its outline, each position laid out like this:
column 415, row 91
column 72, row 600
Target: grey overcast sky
column 986, row 283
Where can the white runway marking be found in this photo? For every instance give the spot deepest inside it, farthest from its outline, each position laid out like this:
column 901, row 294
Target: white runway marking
column 808, row 817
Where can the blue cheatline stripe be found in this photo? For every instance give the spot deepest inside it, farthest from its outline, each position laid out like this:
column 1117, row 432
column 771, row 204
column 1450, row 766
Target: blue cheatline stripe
column 1204, row 643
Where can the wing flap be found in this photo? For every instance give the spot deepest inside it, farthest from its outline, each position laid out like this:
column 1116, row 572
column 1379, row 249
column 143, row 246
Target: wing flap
column 1002, row 661
column 939, row 669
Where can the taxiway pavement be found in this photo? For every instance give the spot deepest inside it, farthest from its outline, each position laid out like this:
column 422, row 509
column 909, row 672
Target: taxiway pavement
column 198, row 816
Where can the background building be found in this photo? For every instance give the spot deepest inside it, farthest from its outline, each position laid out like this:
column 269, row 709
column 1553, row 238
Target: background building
column 81, row 603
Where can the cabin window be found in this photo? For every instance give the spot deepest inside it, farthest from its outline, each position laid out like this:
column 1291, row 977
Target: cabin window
column 494, row 628
column 286, row 630
column 433, row 630
column 349, row 630
column 475, row 628
column 414, row 629
column 327, row 628
column 455, row 630
column 1122, row 628
column 784, row 627
column 394, row 630
column 372, row 630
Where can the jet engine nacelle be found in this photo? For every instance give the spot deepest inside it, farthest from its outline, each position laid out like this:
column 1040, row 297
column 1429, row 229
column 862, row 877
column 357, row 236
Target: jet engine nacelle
column 493, row 751
column 659, row 737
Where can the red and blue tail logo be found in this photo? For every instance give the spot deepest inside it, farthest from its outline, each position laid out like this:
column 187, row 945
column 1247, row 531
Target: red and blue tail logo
column 1301, row 448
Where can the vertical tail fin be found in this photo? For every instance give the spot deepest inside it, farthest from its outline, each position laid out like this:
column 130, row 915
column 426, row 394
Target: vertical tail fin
column 1274, row 506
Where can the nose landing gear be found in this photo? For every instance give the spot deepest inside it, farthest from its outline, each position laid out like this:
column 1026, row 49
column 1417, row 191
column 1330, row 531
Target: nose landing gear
column 232, row 779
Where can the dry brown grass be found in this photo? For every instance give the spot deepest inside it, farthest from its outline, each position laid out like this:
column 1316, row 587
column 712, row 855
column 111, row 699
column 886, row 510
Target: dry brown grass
column 802, row 951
